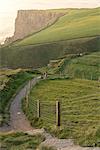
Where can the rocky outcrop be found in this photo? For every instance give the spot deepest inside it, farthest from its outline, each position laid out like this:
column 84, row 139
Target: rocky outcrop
column 31, row 21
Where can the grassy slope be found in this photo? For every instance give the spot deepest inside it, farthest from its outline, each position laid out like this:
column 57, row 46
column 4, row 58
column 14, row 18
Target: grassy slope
column 86, row 66
column 80, row 109
column 77, row 23
column 39, row 55
column 19, row 141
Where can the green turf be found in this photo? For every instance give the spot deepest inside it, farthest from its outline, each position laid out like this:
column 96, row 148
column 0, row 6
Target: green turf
column 85, row 66
column 80, row 109
column 20, row 141
column 75, row 24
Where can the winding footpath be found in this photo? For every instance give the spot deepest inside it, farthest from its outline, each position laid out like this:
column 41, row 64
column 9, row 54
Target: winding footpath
column 19, row 122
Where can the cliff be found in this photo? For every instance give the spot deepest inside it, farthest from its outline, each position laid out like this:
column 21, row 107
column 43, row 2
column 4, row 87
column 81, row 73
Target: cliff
column 31, row 21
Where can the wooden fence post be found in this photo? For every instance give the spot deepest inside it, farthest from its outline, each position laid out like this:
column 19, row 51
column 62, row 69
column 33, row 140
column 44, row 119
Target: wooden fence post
column 58, row 113
column 98, row 81
column 83, row 76
column 38, row 109
column 91, row 77
column 27, row 101
column 29, row 85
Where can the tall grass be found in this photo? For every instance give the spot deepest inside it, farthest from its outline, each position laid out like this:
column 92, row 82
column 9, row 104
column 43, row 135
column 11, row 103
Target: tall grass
column 86, row 67
column 80, row 109
column 20, row 141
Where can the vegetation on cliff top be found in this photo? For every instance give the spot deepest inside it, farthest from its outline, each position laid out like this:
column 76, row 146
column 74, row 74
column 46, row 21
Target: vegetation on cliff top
column 75, row 24
column 37, row 49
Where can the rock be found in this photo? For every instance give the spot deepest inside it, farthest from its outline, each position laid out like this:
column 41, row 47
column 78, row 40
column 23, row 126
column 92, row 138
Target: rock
column 31, row 21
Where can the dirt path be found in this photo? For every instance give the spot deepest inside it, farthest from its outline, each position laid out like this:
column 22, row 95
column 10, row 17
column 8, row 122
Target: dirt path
column 19, row 122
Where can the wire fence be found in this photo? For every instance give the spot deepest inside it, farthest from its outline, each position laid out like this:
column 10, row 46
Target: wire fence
column 81, row 110
column 59, row 114
column 44, row 110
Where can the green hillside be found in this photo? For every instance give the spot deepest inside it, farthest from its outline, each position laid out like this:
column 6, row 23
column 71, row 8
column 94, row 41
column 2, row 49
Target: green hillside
column 39, row 55
column 85, row 67
column 81, row 26
column 75, row 24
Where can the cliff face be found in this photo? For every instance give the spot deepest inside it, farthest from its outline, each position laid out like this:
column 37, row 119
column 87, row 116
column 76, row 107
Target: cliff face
column 31, row 21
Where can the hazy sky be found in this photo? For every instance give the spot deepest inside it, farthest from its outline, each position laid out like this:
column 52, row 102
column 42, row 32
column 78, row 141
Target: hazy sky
column 8, row 10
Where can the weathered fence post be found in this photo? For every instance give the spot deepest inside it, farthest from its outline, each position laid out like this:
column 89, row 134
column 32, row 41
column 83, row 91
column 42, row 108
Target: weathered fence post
column 58, row 113
column 83, row 76
column 26, row 101
column 38, row 109
column 91, row 77
column 30, row 85
column 26, row 97
column 98, row 81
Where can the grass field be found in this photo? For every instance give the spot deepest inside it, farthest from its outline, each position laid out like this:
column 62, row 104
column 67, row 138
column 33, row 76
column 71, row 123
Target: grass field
column 75, row 24
column 85, row 66
column 80, row 109
column 19, row 141
column 10, row 82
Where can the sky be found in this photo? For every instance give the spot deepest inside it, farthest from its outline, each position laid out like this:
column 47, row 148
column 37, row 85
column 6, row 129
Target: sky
column 8, row 10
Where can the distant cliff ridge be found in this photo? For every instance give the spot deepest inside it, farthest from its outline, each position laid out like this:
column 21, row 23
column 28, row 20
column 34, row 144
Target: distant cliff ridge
column 31, row 21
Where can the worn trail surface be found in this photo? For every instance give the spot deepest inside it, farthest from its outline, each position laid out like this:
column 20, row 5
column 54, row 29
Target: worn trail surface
column 19, row 122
